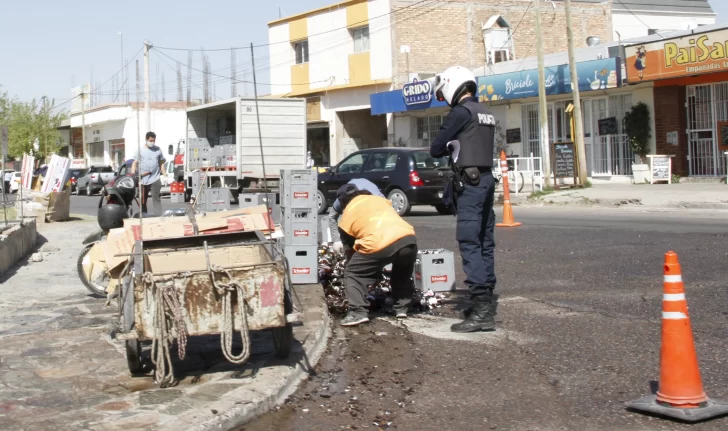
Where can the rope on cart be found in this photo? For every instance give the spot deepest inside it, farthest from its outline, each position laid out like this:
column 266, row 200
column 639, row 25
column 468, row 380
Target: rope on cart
column 168, row 311
column 225, row 291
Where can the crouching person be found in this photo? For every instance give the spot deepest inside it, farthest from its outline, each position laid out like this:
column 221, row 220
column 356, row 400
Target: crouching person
column 374, row 236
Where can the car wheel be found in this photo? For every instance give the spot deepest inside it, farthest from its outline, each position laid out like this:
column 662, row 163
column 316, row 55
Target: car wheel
column 89, row 191
column 400, row 203
column 321, row 202
column 444, row 209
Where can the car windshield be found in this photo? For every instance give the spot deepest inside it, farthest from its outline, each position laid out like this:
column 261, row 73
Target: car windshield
column 423, row 160
column 106, row 169
column 77, row 173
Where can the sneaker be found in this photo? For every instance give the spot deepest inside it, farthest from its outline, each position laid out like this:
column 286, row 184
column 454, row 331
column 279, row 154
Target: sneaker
column 400, row 313
column 353, row 319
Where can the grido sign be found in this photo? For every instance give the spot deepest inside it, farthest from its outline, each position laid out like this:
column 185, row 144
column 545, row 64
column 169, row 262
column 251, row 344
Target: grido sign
column 417, row 92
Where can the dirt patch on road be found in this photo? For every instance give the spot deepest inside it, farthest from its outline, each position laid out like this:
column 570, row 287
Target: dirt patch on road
column 366, row 380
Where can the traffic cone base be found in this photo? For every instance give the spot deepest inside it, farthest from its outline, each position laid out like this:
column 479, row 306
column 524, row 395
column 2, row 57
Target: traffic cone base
column 508, row 220
column 707, row 410
column 680, row 395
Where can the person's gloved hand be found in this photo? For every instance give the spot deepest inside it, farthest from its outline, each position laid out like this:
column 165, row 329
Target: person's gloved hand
column 338, row 247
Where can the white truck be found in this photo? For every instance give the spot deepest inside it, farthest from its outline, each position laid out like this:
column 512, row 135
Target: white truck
column 223, row 145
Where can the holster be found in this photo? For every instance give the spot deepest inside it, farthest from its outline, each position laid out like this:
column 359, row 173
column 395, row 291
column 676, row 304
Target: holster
column 472, row 176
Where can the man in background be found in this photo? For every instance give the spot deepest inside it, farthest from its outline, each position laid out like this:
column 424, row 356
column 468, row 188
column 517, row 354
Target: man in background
column 150, row 161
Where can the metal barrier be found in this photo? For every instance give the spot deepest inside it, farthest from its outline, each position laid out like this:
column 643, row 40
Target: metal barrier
column 530, row 167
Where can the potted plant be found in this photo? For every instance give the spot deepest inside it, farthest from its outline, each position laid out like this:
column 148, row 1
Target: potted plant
column 638, row 130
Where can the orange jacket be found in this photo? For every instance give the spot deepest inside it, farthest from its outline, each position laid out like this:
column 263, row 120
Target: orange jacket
column 373, row 223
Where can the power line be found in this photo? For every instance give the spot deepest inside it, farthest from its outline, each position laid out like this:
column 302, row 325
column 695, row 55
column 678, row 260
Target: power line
column 309, row 36
column 638, row 18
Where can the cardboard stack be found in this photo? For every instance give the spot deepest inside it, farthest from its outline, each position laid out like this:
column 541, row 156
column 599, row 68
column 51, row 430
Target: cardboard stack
column 114, row 252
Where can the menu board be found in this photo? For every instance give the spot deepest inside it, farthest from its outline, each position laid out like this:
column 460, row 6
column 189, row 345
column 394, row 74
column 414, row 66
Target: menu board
column 660, row 168
column 564, row 161
column 513, row 136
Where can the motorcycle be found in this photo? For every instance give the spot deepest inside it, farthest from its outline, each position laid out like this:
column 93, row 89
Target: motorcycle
column 115, row 205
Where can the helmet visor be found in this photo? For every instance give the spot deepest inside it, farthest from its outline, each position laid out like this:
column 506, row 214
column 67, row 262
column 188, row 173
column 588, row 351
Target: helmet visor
column 438, row 89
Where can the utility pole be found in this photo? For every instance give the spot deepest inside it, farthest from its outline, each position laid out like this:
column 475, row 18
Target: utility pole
column 147, row 96
column 579, row 126
column 179, row 82
column 83, row 128
column 189, row 77
column 234, row 78
column 543, row 112
column 121, row 38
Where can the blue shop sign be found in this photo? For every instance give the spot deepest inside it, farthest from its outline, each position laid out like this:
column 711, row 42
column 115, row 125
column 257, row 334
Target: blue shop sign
column 417, row 92
column 403, row 101
column 593, row 75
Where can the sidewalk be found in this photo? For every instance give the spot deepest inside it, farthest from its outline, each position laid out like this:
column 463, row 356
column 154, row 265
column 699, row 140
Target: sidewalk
column 59, row 369
column 689, row 196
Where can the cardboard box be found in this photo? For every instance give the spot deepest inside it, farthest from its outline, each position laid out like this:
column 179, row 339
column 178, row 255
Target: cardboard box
column 118, row 246
column 195, row 260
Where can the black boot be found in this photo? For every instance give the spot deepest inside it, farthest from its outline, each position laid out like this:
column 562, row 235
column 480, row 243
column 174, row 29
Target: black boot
column 481, row 316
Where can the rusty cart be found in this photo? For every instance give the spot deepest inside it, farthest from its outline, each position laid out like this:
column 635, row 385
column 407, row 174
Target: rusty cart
column 202, row 285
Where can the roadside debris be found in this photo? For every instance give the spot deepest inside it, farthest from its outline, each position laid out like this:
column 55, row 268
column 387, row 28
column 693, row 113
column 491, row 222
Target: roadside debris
column 331, row 267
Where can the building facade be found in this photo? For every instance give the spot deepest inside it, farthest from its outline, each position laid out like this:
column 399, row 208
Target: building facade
column 639, row 18
column 689, row 72
column 111, row 132
column 338, row 55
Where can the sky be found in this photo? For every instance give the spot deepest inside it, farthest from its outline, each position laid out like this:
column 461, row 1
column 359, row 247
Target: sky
column 48, row 46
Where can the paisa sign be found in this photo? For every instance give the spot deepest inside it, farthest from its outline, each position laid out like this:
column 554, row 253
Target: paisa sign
column 693, row 54
column 417, row 92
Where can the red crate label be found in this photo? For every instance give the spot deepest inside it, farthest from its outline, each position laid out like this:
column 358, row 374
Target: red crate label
column 301, row 271
column 438, row 279
column 300, row 233
column 300, row 195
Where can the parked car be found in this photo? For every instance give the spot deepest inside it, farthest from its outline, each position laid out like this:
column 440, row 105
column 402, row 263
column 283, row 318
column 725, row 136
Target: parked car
column 167, row 176
column 407, row 176
column 15, row 182
column 94, row 179
column 73, row 175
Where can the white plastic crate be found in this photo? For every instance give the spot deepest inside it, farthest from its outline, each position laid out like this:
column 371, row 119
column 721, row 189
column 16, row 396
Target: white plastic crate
column 302, row 263
column 435, row 271
column 300, row 226
column 254, row 199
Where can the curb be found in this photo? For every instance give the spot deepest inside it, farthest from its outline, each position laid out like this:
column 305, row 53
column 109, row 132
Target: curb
column 630, row 203
column 241, row 414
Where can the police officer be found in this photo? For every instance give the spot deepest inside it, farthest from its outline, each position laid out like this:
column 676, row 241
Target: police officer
column 473, row 125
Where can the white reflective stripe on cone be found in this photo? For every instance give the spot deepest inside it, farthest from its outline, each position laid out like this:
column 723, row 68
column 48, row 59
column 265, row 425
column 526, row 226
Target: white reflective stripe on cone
column 674, row 315
column 673, row 278
column 673, row 297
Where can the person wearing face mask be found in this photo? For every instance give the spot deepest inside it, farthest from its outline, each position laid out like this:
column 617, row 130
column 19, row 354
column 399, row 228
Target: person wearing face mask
column 150, row 162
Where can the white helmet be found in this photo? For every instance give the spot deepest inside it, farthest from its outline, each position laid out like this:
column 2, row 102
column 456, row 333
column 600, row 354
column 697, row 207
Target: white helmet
column 452, row 83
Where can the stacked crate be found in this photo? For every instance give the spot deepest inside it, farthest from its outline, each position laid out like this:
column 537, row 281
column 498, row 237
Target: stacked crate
column 200, row 154
column 299, row 219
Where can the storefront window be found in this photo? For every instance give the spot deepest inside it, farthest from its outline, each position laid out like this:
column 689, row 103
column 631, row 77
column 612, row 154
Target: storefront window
column 318, row 145
column 427, row 128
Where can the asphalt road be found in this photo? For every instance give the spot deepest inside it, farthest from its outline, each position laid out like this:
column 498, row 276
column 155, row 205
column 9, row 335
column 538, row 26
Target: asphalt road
column 579, row 332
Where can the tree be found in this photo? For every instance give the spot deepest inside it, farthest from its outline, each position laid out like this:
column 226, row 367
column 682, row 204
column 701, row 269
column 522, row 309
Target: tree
column 637, row 127
column 32, row 126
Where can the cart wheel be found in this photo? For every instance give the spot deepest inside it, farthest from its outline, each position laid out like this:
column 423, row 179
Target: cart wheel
column 283, row 336
column 283, row 340
column 134, row 356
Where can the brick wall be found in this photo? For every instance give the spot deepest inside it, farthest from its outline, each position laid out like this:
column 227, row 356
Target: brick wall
column 443, row 34
column 670, row 116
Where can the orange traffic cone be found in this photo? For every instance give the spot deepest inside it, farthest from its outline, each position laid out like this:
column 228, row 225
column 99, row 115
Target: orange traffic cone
column 508, row 220
column 680, row 394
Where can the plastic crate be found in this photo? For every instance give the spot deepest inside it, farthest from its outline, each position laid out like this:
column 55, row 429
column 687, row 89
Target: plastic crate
column 247, row 200
column 435, row 271
column 215, row 199
column 302, row 263
column 299, row 196
column 300, row 226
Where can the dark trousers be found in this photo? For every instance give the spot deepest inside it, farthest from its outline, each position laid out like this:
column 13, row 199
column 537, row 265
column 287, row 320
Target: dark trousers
column 363, row 270
column 6, row 187
column 474, row 233
column 156, row 190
